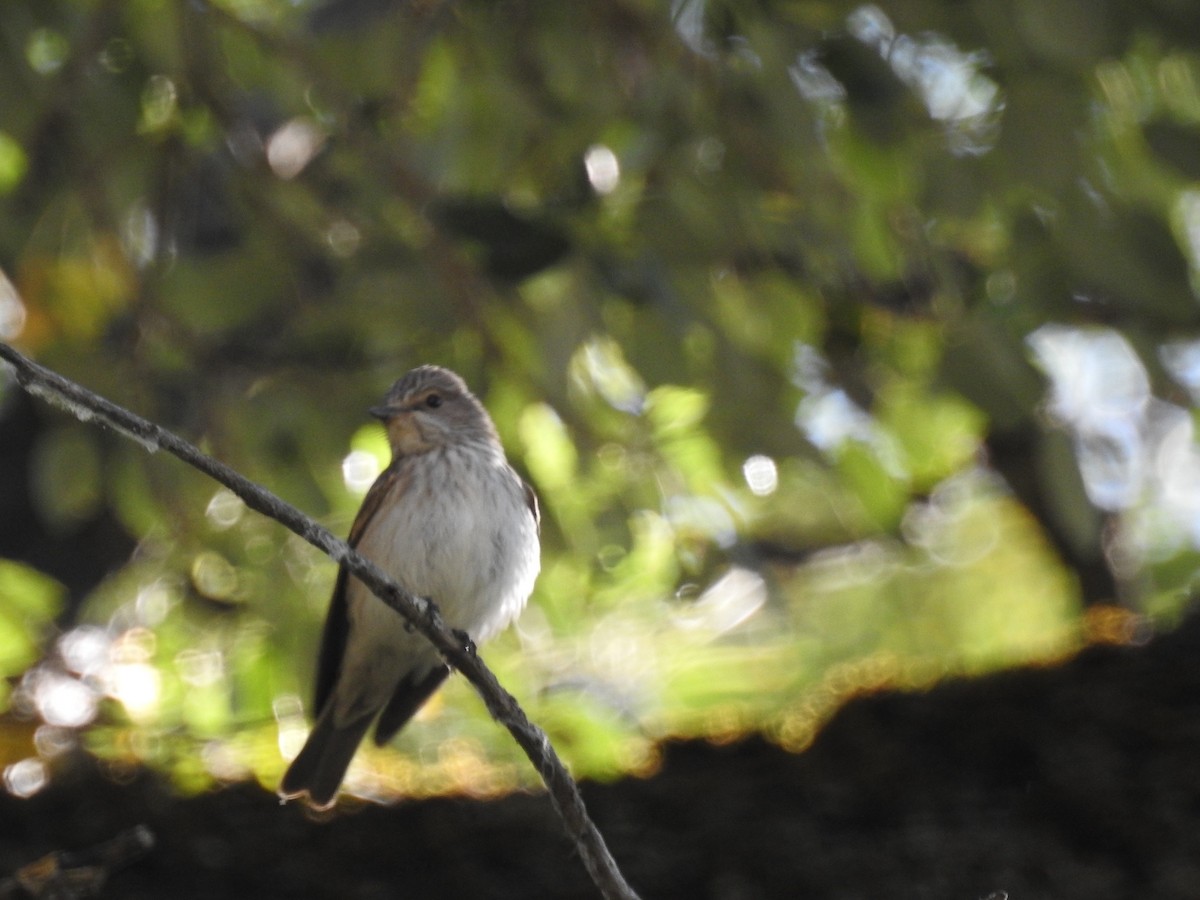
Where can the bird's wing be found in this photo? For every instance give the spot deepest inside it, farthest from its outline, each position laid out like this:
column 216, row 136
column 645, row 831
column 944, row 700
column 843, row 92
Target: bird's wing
column 531, row 501
column 410, row 695
column 337, row 620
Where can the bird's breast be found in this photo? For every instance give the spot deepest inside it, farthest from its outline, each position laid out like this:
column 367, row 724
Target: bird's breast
column 457, row 531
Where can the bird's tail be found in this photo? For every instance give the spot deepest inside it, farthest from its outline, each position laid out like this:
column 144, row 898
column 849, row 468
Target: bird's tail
column 321, row 765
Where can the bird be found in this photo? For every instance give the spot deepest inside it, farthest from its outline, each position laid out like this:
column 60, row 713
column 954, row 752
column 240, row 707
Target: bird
column 449, row 520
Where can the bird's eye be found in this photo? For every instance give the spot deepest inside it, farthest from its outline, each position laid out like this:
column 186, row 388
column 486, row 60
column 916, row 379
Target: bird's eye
column 433, row 401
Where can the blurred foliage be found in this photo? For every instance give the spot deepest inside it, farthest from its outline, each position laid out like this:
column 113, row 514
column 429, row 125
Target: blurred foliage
column 30, row 603
column 848, row 346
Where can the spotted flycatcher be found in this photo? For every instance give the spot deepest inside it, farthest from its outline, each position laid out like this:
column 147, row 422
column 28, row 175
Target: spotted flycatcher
column 450, row 521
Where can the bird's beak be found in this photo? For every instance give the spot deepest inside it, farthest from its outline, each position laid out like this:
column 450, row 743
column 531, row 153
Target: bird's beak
column 383, row 413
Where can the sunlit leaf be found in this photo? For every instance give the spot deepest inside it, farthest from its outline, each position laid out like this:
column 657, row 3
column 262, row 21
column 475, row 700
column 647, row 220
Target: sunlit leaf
column 878, row 491
column 939, row 433
column 549, row 453
column 29, row 602
column 13, row 163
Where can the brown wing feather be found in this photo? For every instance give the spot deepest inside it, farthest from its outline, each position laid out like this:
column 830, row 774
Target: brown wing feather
column 409, row 696
column 531, row 501
column 337, row 620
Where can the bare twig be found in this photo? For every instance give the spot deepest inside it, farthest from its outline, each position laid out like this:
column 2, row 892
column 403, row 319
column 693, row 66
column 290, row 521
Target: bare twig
column 564, row 793
column 73, row 875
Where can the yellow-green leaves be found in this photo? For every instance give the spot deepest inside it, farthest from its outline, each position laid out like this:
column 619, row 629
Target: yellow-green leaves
column 29, row 601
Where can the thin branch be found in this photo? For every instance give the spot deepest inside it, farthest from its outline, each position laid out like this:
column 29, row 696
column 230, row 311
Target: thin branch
column 67, row 875
column 564, row 793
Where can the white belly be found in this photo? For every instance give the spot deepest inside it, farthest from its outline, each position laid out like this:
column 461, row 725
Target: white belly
column 471, row 548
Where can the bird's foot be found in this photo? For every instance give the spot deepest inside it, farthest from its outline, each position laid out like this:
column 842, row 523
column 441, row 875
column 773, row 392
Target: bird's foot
column 464, row 639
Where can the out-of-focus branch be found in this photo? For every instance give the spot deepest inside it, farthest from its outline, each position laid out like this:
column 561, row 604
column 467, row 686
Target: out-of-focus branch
column 564, row 793
column 67, row 875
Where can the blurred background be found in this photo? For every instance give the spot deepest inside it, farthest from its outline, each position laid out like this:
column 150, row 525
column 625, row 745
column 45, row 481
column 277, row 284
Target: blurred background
column 849, row 347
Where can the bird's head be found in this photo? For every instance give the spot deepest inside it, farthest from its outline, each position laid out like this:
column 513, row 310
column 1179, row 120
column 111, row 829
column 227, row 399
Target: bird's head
column 432, row 407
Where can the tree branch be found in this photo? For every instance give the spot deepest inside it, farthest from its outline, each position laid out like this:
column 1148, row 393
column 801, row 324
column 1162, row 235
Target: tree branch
column 564, row 793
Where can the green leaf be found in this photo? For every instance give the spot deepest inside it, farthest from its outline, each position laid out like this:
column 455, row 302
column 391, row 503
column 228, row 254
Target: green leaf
column 29, row 601
column 673, row 410
column 938, row 433
column 13, row 163
column 879, row 492
column 549, row 452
